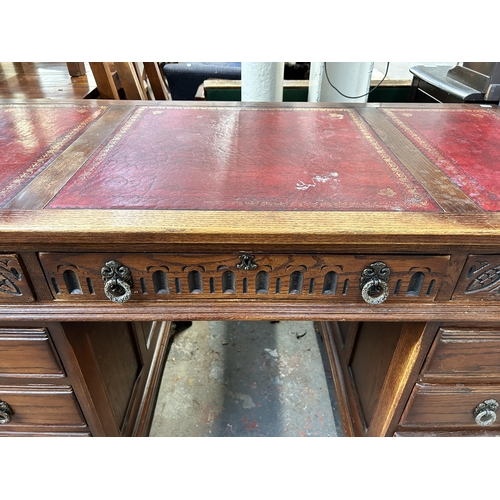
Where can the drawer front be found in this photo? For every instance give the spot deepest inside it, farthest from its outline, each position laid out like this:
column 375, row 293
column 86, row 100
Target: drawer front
column 28, row 352
column 13, row 285
column 464, row 354
column 457, row 433
column 77, row 277
column 42, row 408
column 450, row 406
column 480, row 279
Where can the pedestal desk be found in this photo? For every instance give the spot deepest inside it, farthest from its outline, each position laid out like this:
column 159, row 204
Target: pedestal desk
column 378, row 222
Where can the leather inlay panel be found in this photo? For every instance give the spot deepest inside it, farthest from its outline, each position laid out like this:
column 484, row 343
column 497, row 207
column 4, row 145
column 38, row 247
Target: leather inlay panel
column 224, row 158
column 441, row 135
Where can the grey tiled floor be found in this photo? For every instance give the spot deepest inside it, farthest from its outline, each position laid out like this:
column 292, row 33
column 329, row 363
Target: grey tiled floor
column 256, row 378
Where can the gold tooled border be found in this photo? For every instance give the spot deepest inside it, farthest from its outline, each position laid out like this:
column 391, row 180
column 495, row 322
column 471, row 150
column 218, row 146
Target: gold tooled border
column 463, row 180
column 53, row 149
column 93, row 163
column 400, row 174
column 130, row 121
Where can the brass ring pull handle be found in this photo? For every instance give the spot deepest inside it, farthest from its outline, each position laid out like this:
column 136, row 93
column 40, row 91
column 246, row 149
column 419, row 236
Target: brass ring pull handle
column 5, row 412
column 375, row 292
column 485, row 412
column 117, row 281
column 373, row 283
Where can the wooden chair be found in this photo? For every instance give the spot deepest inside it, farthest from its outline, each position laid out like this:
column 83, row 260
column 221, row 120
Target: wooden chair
column 130, row 80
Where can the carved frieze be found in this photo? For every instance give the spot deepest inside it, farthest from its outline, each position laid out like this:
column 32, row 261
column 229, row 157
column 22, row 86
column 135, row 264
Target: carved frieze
column 13, row 285
column 161, row 276
column 480, row 278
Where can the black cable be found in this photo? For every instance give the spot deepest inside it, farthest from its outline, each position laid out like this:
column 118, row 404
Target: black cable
column 358, row 96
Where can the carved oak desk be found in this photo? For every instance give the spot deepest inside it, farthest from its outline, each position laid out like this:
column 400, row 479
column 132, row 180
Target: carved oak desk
column 380, row 223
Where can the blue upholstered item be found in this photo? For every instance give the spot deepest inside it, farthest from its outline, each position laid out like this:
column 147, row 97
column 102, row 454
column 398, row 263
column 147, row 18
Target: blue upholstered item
column 185, row 78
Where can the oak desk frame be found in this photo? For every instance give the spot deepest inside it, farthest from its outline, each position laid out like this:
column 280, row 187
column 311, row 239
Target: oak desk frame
column 459, row 228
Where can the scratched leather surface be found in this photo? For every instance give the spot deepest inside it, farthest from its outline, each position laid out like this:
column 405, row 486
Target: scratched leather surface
column 31, row 137
column 441, row 135
column 247, row 159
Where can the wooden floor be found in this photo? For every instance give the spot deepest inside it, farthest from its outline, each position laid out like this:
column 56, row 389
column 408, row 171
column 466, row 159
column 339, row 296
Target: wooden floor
column 43, row 80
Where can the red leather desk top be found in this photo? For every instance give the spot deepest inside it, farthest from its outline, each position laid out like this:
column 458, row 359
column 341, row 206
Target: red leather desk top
column 228, row 158
column 244, row 159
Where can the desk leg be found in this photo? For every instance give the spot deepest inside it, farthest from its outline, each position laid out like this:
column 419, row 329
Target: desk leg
column 116, row 368
column 76, row 68
column 374, row 367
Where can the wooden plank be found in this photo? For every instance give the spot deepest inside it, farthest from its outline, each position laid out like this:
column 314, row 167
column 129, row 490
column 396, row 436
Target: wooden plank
column 206, row 309
column 455, row 266
column 219, row 83
column 149, row 390
column 99, row 414
column 104, row 80
column 397, row 231
column 447, row 194
column 157, row 81
column 35, row 273
column 410, row 353
column 347, row 406
column 371, row 358
column 130, row 81
column 76, row 68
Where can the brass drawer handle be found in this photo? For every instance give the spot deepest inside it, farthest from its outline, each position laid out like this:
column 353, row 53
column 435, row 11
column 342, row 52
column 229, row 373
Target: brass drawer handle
column 373, row 283
column 5, row 412
column 117, row 281
column 485, row 412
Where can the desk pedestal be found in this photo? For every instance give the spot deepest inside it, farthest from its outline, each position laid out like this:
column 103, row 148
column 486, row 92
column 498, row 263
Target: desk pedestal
column 80, row 379
column 414, row 379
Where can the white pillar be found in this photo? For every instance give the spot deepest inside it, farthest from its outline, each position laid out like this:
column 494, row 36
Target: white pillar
column 352, row 79
column 262, row 81
column 315, row 78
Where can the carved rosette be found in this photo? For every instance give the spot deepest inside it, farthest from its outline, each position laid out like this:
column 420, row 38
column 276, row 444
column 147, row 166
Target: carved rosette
column 13, row 286
column 9, row 277
column 487, row 281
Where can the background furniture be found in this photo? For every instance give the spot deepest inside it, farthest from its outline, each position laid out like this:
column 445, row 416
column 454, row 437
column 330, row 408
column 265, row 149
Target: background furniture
column 477, row 82
column 184, row 79
column 130, row 80
column 76, row 68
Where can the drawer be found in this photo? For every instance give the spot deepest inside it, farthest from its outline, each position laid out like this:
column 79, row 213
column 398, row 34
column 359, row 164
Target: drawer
column 14, row 287
column 44, row 408
column 77, row 277
column 464, row 354
column 455, row 434
column 480, row 279
column 450, row 406
column 28, row 352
